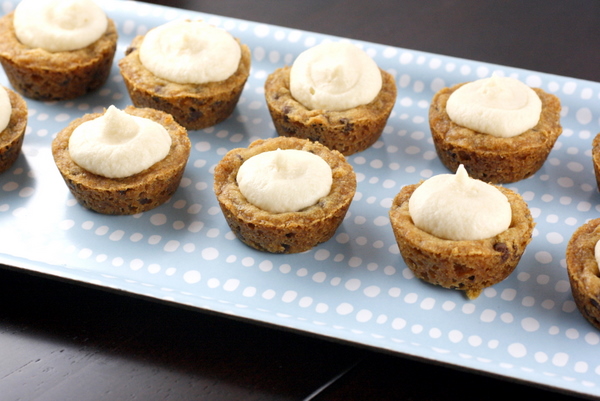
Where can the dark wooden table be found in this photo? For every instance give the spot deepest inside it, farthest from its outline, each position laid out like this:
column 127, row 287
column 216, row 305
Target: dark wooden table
column 65, row 341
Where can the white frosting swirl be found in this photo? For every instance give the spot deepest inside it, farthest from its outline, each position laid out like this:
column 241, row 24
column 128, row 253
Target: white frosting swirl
column 457, row 207
column 5, row 109
column 334, row 76
column 499, row 106
column 282, row 181
column 190, row 52
column 597, row 252
column 118, row 145
column 59, row 25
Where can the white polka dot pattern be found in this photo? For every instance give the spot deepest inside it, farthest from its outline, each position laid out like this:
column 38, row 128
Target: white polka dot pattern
column 355, row 287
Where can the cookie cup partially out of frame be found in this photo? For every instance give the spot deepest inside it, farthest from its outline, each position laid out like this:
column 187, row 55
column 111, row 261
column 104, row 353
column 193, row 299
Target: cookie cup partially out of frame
column 583, row 271
column 43, row 75
column 11, row 138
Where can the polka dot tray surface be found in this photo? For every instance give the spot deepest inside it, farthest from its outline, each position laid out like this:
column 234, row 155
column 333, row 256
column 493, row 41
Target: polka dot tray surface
column 355, row 287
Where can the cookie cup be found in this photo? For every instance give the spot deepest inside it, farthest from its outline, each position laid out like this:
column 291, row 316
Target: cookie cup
column 194, row 106
column 11, row 138
column 469, row 266
column 347, row 131
column 41, row 75
column 290, row 232
column 130, row 195
column 489, row 158
column 596, row 158
column 582, row 268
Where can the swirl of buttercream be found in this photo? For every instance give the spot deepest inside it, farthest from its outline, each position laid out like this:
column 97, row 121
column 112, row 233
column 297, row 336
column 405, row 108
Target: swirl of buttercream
column 287, row 180
column 499, row 106
column 334, row 76
column 190, row 52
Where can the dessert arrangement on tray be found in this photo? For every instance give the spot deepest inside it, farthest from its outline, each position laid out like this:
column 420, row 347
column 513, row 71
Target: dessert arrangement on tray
column 331, row 186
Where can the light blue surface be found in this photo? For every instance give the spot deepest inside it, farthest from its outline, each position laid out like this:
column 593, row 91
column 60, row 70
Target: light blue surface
column 355, row 287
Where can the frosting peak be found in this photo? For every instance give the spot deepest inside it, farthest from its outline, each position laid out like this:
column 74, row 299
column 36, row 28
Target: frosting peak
column 119, row 127
column 118, row 145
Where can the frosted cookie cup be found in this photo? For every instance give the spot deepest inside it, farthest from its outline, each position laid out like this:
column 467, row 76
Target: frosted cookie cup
column 196, row 101
column 13, row 121
column 284, row 232
column 582, row 267
column 468, row 265
column 43, row 71
column 502, row 157
column 123, row 193
column 334, row 119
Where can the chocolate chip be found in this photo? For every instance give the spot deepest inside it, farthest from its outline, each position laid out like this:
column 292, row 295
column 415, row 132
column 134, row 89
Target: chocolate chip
column 503, row 249
column 348, row 126
column 286, row 110
column 195, row 114
column 464, row 156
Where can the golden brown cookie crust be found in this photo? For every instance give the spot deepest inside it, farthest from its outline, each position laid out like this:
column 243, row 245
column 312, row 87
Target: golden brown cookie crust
column 596, row 158
column 468, row 266
column 291, row 232
column 347, row 131
column 137, row 193
column 195, row 106
column 582, row 268
column 11, row 139
column 488, row 158
column 42, row 75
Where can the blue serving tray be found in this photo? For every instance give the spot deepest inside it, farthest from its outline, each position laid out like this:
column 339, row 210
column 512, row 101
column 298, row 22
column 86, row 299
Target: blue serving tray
column 354, row 288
